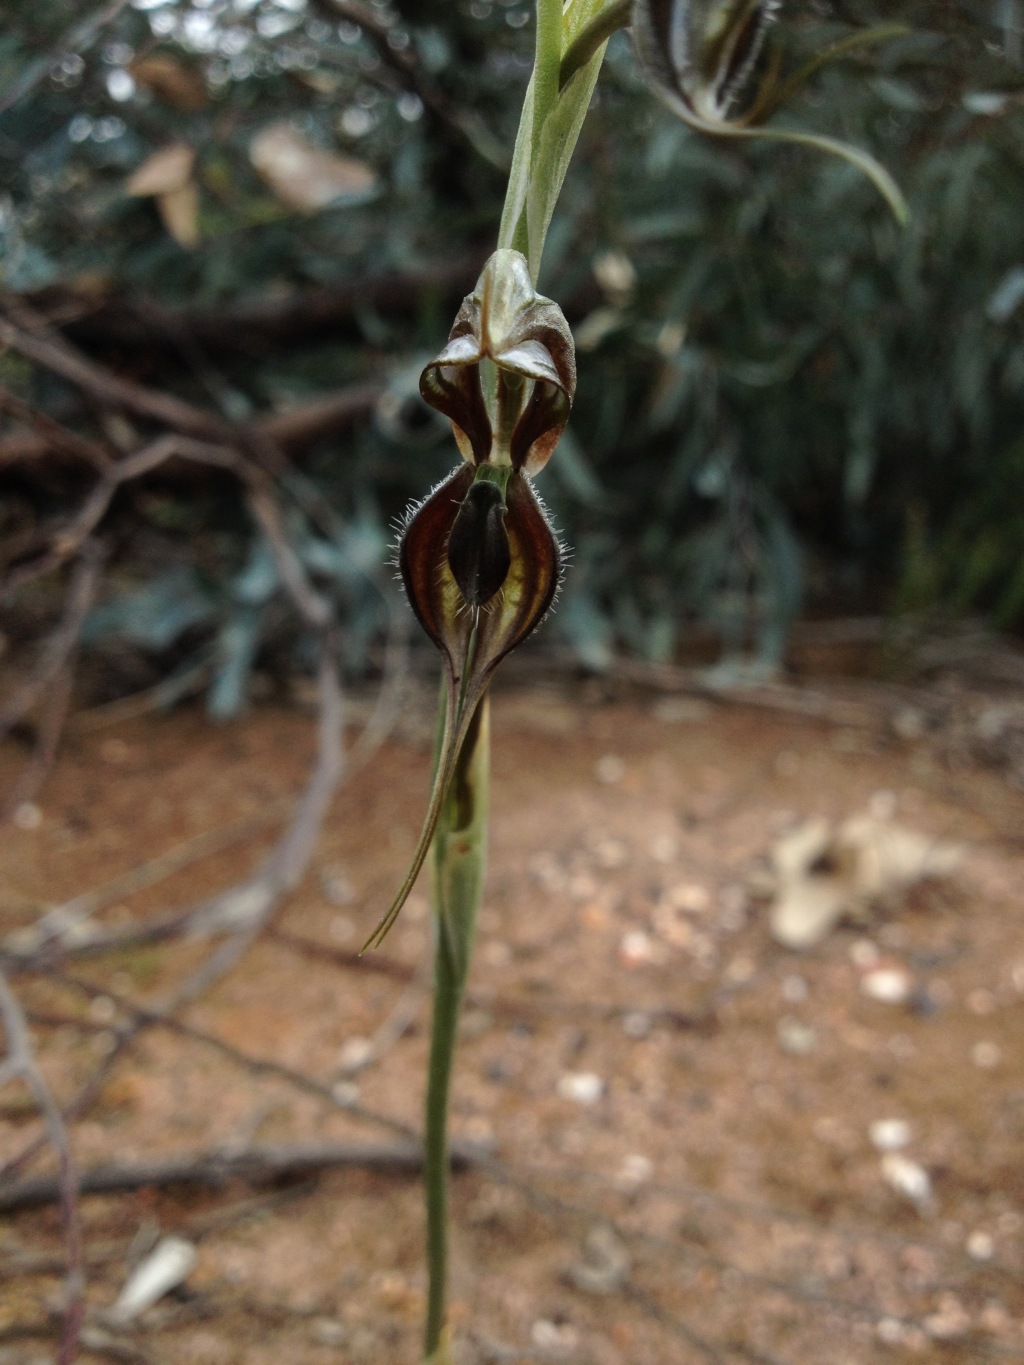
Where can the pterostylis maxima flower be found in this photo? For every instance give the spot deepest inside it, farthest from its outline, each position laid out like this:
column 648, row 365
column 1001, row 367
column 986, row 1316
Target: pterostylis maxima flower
column 705, row 51
column 479, row 561
column 699, row 54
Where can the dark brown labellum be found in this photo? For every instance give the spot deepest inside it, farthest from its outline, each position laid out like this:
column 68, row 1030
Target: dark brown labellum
column 478, row 549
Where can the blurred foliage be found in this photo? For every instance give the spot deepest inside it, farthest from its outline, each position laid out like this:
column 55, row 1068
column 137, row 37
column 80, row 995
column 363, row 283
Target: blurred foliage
column 785, row 402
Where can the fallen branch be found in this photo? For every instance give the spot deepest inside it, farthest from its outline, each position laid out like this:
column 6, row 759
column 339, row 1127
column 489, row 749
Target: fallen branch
column 21, row 1062
column 257, row 1165
column 251, row 324
column 52, row 680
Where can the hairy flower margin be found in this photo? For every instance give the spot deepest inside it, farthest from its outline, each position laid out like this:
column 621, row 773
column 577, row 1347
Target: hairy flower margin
column 479, row 560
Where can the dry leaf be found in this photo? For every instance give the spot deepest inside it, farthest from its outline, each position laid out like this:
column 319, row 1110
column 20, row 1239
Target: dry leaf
column 179, row 212
column 824, row 872
column 306, row 177
column 163, row 172
column 171, row 82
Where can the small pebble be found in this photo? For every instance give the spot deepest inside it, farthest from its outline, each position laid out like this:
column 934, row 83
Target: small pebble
column 889, row 1135
column 908, row 1178
column 890, row 1331
column 950, row 1319
column 981, row 1246
column 605, row 1265
column 986, row 1055
column 887, row 985
column 582, row 1087
column 689, row 896
column 610, row 770
column 636, row 1169
column 553, row 1336
column 796, row 1037
column 27, row 816
column 329, row 1332
column 169, row 1264
column 636, row 948
column 354, row 1055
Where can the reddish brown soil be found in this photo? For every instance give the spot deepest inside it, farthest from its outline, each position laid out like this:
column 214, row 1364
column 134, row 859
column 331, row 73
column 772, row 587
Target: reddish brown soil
column 728, row 1146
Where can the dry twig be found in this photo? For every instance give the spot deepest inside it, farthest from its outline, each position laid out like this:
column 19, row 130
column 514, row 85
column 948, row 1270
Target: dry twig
column 52, row 679
column 21, row 1062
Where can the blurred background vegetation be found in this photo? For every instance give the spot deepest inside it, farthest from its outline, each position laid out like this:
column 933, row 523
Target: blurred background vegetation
column 270, row 209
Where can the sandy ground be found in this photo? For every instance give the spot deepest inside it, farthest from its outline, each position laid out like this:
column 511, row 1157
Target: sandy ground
column 699, row 1146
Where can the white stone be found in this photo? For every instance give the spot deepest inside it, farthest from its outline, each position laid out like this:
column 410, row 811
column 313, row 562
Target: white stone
column 889, row 1135
column 583, row 1087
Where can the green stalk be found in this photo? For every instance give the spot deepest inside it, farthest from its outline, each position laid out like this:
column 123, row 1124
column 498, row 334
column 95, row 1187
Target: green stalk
column 457, row 871
column 547, row 66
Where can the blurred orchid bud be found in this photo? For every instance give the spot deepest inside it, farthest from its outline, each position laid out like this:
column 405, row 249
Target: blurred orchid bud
column 701, row 52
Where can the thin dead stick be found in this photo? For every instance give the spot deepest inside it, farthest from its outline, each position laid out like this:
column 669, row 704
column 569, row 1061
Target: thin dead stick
column 21, row 1061
column 53, row 435
column 315, row 610
column 141, row 1017
column 63, row 359
column 293, row 428
column 56, row 651
column 256, row 1164
column 670, row 1015
column 68, row 919
column 53, row 680
column 784, row 698
column 69, row 541
column 396, row 1023
column 246, row 908
column 260, row 439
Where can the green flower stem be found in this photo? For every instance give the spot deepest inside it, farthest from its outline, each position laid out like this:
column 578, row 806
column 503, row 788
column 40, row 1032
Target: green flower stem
column 547, row 66
column 457, row 870
column 615, row 15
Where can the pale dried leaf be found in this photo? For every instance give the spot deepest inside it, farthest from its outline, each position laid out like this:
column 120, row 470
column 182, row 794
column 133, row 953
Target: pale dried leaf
column 179, row 212
column 807, row 910
column 307, row 177
column 887, row 858
column 163, row 172
column 824, row 873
